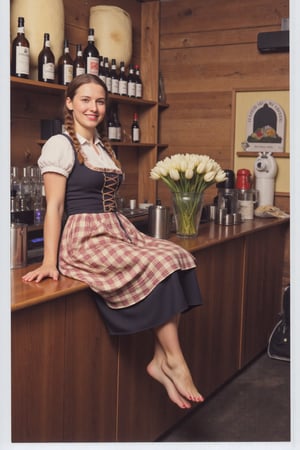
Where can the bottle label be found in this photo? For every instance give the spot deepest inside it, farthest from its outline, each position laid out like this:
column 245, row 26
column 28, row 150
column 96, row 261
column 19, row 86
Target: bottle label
column 112, row 133
column 79, row 71
column 22, row 60
column 68, row 73
column 48, row 71
column 114, row 86
column 118, row 133
column 131, row 89
column 123, row 87
column 92, row 65
column 135, row 135
column 139, row 90
column 108, row 83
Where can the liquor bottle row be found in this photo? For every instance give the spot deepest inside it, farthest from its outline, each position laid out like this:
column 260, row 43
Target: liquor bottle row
column 120, row 82
column 27, row 197
column 114, row 128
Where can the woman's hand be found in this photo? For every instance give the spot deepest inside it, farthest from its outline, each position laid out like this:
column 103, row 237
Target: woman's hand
column 44, row 271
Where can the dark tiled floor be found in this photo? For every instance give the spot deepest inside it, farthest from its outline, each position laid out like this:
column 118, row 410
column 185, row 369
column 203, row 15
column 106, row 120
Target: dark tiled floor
column 255, row 406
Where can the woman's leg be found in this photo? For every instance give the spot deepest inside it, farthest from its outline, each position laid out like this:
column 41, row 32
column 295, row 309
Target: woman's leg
column 168, row 364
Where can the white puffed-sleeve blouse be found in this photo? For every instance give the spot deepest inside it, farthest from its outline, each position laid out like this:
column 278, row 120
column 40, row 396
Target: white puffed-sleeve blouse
column 58, row 155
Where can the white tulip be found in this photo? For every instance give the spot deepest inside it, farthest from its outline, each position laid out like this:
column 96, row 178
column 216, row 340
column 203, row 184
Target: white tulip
column 189, row 173
column 155, row 174
column 209, row 176
column 174, row 174
column 220, row 176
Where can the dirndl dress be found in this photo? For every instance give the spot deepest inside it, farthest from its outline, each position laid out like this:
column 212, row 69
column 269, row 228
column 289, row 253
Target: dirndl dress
column 139, row 282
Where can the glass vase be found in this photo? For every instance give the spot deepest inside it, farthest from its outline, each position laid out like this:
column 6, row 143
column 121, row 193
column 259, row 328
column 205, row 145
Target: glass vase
column 187, row 208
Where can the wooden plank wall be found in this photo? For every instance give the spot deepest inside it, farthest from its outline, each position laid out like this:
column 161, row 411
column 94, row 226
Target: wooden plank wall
column 206, row 50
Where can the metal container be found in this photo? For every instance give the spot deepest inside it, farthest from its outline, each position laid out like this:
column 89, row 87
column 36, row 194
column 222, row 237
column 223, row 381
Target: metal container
column 159, row 221
column 18, row 245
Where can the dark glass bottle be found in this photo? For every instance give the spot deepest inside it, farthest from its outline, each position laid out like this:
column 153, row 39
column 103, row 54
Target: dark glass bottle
column 111, row 128
column 65, row 66
column 79, row 63
column 107, row 74
column 91, row 55
column 131, row 82
column 102, row 75
column 46, row 62
column 114, row 78
column 20, row 56
column 123, row 83
column 117, row 123
column 135, row 129
column 138, row 83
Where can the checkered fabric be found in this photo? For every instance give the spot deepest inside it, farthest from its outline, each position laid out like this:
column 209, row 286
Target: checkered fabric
column 116, row 260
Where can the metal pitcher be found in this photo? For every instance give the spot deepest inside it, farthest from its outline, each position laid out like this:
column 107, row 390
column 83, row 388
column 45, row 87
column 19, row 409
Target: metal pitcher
column 159, row 221
column 18, row 245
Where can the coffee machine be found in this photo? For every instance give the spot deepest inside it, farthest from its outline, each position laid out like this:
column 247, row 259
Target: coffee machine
column 265, row 169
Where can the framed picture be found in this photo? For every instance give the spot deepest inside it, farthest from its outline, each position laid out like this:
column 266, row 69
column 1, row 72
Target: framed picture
column 260, row 120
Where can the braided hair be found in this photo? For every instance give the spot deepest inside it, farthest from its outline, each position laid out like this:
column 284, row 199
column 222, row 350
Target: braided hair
column 69, row 120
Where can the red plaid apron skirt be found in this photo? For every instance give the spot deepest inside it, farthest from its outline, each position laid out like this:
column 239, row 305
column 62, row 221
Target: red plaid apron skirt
column 116, row 260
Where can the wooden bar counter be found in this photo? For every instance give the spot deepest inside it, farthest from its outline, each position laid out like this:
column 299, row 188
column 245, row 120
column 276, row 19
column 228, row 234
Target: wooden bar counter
column 73, row 382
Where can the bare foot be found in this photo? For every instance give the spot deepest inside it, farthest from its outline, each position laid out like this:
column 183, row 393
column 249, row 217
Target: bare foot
column 155, row 371
column 181, row 377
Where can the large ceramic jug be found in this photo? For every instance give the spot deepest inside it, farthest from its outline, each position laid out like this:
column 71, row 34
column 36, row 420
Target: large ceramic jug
column 113, row 32
column 42, row 16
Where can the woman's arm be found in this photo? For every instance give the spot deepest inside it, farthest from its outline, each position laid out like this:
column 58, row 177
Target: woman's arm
column 55, row 188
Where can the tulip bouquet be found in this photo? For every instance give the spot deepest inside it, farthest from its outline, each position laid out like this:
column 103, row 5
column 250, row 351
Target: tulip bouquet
column 188, row 175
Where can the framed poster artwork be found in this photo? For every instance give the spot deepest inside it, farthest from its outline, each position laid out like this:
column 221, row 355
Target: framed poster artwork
column 260, row 120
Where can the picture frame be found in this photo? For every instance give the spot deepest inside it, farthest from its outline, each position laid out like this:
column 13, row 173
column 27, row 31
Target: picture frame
column 246, row 103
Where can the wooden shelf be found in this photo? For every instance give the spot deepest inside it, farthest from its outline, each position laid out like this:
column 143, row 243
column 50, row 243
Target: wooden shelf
column 163, row 105
column 255, row 154
column 132, row 144
column 118, row 144
column 39, row 86
column 162, row 146
column 131, row 100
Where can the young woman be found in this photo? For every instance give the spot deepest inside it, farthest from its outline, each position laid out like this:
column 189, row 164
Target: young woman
column 139, row 282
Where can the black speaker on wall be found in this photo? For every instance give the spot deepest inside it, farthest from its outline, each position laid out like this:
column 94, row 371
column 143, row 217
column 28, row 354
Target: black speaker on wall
column 273, row 41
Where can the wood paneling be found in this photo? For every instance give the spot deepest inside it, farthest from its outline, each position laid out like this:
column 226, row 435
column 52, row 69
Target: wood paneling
column 37, row 373
column 217, row 354
column 198, row 15
column 73, row 382
column 91, row 373
column 206, row 51
column 263, row 294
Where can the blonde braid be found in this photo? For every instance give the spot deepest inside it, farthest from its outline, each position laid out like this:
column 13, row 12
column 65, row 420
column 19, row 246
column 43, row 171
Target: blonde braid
column 110, row 151
column 69, row 126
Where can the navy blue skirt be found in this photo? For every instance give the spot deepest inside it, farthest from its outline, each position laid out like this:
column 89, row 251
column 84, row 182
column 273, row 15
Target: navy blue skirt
column 177, row 293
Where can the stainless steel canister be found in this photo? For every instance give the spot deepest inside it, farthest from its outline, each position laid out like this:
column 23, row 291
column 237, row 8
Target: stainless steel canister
column 159, row 221
column 18, row 245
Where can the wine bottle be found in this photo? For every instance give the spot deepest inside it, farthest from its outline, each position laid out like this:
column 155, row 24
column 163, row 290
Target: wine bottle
column 117, row 124
column 138, row 83
column 123, row 83
column 65, row 66
column 131, row 82
column 20, row 58
column 79, row 63
column 91, row 55
column 135, row 129
column 114, row 78
column 111, row 128
column 107, row 74
column 46, row 62
column 102, row 74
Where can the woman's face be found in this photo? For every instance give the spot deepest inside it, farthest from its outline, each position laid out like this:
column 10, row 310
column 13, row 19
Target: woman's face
column 88, row 106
